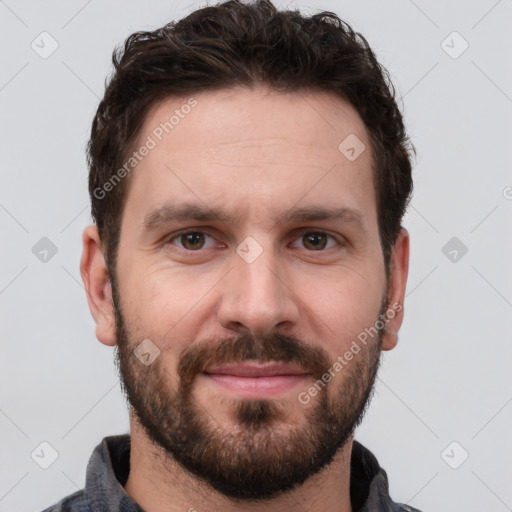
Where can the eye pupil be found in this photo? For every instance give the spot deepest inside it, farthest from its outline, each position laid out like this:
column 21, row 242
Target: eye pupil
column 195, row 240
column 314, row 238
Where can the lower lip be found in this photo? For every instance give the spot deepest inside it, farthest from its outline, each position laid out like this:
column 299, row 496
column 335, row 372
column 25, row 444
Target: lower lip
column 257, row 387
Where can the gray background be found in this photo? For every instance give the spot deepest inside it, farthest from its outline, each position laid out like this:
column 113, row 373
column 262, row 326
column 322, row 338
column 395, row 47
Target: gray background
column 449, row 378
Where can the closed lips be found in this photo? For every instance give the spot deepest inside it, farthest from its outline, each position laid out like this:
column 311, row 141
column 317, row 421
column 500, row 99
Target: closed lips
column 255, row 370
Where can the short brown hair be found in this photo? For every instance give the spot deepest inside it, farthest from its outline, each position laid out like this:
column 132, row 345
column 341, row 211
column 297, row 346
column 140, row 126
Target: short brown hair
column 244, row 44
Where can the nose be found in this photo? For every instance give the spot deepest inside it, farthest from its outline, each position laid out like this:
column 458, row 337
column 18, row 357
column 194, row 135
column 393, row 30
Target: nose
column 258, row 297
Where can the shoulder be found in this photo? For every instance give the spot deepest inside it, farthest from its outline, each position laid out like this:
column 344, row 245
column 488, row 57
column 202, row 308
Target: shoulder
column 400, row 507
column 75, row 502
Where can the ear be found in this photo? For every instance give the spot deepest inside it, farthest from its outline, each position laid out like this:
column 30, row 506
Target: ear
column 97, row 286
column 398, row 271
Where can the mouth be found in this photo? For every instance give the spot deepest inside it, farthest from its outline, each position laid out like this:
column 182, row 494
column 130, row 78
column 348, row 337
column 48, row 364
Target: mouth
column 253, row 379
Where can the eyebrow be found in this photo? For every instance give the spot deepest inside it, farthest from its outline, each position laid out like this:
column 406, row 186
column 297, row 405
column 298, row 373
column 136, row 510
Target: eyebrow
column 170, row 212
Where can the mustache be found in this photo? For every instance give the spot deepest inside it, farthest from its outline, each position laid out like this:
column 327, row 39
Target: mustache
column 274, row 347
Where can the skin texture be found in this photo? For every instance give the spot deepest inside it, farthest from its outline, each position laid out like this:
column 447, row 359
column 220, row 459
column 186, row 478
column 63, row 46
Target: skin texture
column 258, row 154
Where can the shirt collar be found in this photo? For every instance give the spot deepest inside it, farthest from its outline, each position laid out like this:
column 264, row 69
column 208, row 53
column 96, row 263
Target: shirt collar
column 107, row 473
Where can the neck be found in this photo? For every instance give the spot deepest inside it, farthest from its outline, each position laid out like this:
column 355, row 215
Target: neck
column 158, row 483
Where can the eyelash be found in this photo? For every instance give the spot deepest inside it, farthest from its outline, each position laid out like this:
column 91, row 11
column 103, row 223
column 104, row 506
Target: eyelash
column 170, row 240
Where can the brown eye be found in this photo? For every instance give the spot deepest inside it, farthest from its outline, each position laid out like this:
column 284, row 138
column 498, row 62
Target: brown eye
column 315, row 241
column 192, row 241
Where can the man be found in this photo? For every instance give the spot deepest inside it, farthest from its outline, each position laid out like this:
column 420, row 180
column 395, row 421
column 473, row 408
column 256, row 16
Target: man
column 249, row 170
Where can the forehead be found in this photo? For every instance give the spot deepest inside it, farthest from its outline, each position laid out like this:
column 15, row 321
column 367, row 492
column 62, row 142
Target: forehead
column 253, row 151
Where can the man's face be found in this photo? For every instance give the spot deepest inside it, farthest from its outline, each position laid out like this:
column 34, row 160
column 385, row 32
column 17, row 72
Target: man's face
column 249, row 310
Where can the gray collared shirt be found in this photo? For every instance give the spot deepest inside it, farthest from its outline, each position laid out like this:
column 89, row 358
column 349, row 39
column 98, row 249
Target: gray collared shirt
column 109, row 466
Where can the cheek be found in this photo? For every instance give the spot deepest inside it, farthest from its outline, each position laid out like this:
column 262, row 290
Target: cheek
column 346, row 306
column 165, row 307
column 149, row 293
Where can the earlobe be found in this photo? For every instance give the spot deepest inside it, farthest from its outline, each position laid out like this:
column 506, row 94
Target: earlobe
column 97, row 286
column 399, row 269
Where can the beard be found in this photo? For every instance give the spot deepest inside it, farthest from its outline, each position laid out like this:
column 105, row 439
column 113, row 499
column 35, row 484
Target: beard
column 260, row 454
